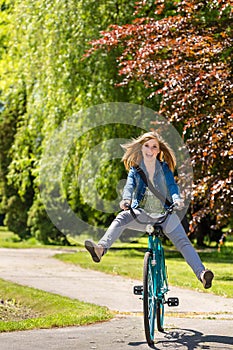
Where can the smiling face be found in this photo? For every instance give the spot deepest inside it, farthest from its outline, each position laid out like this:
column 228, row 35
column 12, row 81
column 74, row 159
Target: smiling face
column 150, row 150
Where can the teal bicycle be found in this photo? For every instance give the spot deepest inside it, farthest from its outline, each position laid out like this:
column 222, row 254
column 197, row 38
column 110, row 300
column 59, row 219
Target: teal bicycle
column 155, row 279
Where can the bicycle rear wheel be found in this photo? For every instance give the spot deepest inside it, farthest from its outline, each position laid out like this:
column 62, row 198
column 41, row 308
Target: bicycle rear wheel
column 149, row 302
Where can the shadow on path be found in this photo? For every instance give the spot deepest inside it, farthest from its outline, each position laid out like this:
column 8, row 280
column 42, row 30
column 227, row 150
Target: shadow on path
column 190, row 340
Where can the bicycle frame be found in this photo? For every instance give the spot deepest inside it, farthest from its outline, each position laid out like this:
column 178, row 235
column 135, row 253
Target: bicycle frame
column 155, row 283
column 158, row 264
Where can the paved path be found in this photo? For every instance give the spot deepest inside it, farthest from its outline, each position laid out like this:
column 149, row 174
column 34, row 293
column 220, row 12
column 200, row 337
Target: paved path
column 191, row 328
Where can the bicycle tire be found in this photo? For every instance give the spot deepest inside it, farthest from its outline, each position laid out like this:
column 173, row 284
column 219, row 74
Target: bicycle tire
column 149, row 303
column 160, row 315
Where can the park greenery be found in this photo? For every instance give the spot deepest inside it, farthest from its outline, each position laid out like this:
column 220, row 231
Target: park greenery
column 58, row 57
column 24, row 308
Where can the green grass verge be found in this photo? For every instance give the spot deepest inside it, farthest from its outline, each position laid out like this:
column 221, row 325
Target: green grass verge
column 10, row 240
column 129, row 263
column 43, row 310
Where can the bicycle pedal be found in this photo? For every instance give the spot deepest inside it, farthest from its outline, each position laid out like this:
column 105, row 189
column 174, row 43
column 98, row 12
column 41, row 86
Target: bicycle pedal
column 173, row 301
column 138, row 290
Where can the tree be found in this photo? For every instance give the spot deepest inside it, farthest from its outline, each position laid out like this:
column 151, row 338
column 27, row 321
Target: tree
column 43, row 45
column 182, row 52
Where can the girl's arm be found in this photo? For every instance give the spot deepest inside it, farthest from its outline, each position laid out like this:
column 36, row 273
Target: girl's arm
column 173, row 188
column 129, row 186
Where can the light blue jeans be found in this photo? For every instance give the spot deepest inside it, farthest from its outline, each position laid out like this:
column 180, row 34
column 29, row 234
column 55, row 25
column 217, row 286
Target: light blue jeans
column 171, row 227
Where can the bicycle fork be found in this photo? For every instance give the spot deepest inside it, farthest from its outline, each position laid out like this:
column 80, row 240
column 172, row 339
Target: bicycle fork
column 158, row 280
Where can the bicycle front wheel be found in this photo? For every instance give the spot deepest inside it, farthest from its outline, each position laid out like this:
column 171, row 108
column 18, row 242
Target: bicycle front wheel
column 149, row 302
column 162, row 288
column 160, row 315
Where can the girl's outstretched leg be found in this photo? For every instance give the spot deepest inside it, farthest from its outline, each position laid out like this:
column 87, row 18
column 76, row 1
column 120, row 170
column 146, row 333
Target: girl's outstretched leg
column 175, row 232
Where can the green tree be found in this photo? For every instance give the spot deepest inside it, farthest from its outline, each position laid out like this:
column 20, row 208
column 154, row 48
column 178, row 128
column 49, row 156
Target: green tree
column 13, row 105
column 44, row 49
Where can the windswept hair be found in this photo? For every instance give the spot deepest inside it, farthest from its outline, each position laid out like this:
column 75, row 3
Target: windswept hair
column 133, row 153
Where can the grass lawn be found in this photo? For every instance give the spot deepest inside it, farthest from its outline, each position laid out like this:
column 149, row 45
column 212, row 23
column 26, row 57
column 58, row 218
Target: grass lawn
column 10, row 240
column 23, row 308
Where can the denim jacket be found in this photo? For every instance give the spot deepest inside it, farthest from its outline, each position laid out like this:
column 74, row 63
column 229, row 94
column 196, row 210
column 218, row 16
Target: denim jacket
column 164, row 182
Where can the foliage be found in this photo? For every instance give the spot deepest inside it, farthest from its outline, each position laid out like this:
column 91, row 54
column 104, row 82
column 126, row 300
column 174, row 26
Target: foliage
column 173, row 52
column 41, row 227
column 15, row 222
column 44, row 82
column 182, row 52
column 12, row 204
column 77, row 187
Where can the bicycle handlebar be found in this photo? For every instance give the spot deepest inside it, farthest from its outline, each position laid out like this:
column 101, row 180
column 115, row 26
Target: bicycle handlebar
column 163, row 217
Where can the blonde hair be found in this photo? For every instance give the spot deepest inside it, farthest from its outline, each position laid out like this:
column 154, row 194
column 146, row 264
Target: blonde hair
column 133, row 153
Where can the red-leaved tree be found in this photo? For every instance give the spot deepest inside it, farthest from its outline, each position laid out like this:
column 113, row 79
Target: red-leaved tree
column 182, row 51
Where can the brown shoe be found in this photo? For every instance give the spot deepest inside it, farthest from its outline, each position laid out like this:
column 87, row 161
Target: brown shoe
column 206, row 278
column 95, row 250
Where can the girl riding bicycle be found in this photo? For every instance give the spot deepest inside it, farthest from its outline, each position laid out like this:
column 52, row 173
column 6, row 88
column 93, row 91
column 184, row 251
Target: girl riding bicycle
column 157, row 160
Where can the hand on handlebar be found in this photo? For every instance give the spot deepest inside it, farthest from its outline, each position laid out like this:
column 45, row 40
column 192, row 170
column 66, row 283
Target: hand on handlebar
column 179, row 204
column 125, row 204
